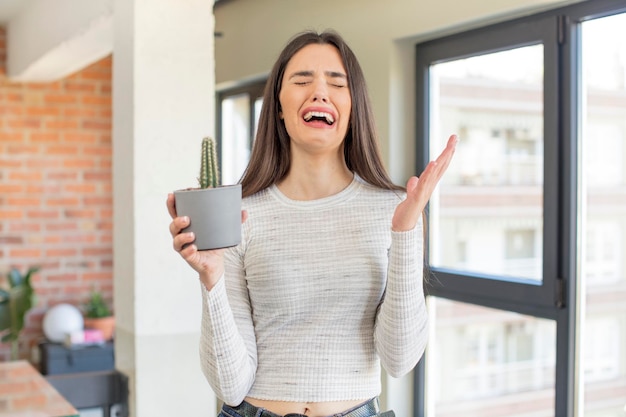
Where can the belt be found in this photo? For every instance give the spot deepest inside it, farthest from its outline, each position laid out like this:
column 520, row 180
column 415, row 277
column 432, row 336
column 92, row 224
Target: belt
column 367, row 409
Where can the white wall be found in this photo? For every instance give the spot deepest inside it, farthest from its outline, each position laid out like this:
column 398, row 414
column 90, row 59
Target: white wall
column 163, row 102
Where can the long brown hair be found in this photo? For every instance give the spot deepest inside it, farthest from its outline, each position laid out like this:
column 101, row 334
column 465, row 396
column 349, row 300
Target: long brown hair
column 271, row 156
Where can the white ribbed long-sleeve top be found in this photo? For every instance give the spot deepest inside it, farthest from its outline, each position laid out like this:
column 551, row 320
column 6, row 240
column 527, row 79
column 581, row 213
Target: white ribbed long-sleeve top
column 314, row 298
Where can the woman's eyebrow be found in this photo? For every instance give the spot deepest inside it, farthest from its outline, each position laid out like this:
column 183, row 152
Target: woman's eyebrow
column 335, row 74
column 301, row 74
column 332, row 74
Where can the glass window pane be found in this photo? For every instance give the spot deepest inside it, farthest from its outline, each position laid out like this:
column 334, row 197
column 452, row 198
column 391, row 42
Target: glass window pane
column 235, row 137
column 603, row 248
column 489, row 363
column 487, row 216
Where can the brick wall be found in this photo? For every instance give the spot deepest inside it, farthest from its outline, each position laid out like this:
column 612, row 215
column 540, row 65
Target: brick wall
column 55, row 187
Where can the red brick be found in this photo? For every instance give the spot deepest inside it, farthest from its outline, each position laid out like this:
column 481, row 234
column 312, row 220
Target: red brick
column 79, row 214
column 11, row 137
column 52, row 239
column 79, row 86
column 42, row 111
column 77, row 290
column 97, row 150
column 106, row 224
column 25, row 253
column 62, row 175
column 97, row 276
column 96, row 75
column 90, row 238
column 24, row 124
column 23, row 201
column 97, row 176
column 96, row 125
column 11, row 188
column 42, row 214
column 61, row 252
column 80, row 188
column 11, row 214
column 98, row 201
column 80, row 137
column 80, row 112
column 25, row 176
column 61, row 124
column 24, row 227
column 11, row 240
column 21, row 149
column 96, row 100
column 62, row 202
column 35, row 189
column 42, row 163
column 44, row 137
column 64, row 226
column 60, row 98
column 78, row 163
column 62, row 150
column 15, row 97
column 10, row 163
column 91, row 251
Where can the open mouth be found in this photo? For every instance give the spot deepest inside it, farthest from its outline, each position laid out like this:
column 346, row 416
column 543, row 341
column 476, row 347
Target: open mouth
column 319, row 116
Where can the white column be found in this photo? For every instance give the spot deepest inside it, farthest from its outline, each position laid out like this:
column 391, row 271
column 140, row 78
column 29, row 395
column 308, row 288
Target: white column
column 163, row 101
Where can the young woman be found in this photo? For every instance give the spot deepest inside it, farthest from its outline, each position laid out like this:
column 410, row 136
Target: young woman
column 327, row 282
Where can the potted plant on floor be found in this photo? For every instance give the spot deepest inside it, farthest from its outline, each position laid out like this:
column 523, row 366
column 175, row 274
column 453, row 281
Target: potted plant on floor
column 98, row 315
column 214, row 210
column 14, row 304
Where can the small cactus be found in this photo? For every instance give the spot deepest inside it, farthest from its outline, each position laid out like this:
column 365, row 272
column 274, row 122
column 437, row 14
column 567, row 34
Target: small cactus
column 208, row 167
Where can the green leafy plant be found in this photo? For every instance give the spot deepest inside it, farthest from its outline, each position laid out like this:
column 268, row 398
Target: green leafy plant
column 209, row 173
column 96, row 307
column 14, row 304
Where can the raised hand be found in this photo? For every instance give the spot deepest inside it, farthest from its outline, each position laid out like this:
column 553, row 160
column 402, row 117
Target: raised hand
column 420, row 189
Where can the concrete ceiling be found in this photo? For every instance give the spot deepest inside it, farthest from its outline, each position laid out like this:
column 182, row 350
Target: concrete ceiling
column 41, row 49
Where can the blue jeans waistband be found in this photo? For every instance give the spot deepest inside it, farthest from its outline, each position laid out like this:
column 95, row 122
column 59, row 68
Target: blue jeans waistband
column 367, row 409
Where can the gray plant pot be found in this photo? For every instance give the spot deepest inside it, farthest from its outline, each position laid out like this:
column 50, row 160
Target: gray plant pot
column 215, row 215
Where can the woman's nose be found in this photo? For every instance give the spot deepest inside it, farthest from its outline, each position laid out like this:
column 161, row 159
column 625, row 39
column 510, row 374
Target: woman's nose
column 320, row 91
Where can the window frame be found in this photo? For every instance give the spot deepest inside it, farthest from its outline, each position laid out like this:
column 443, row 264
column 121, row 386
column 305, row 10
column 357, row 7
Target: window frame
column 484, row 289
column 557, row 297
column 254, row 89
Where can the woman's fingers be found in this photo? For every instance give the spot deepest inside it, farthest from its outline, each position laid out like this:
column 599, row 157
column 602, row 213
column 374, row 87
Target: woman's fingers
column 171, row 205
column 440, row 165
column 178, row 224
column 420, row 190
column 183, row 239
